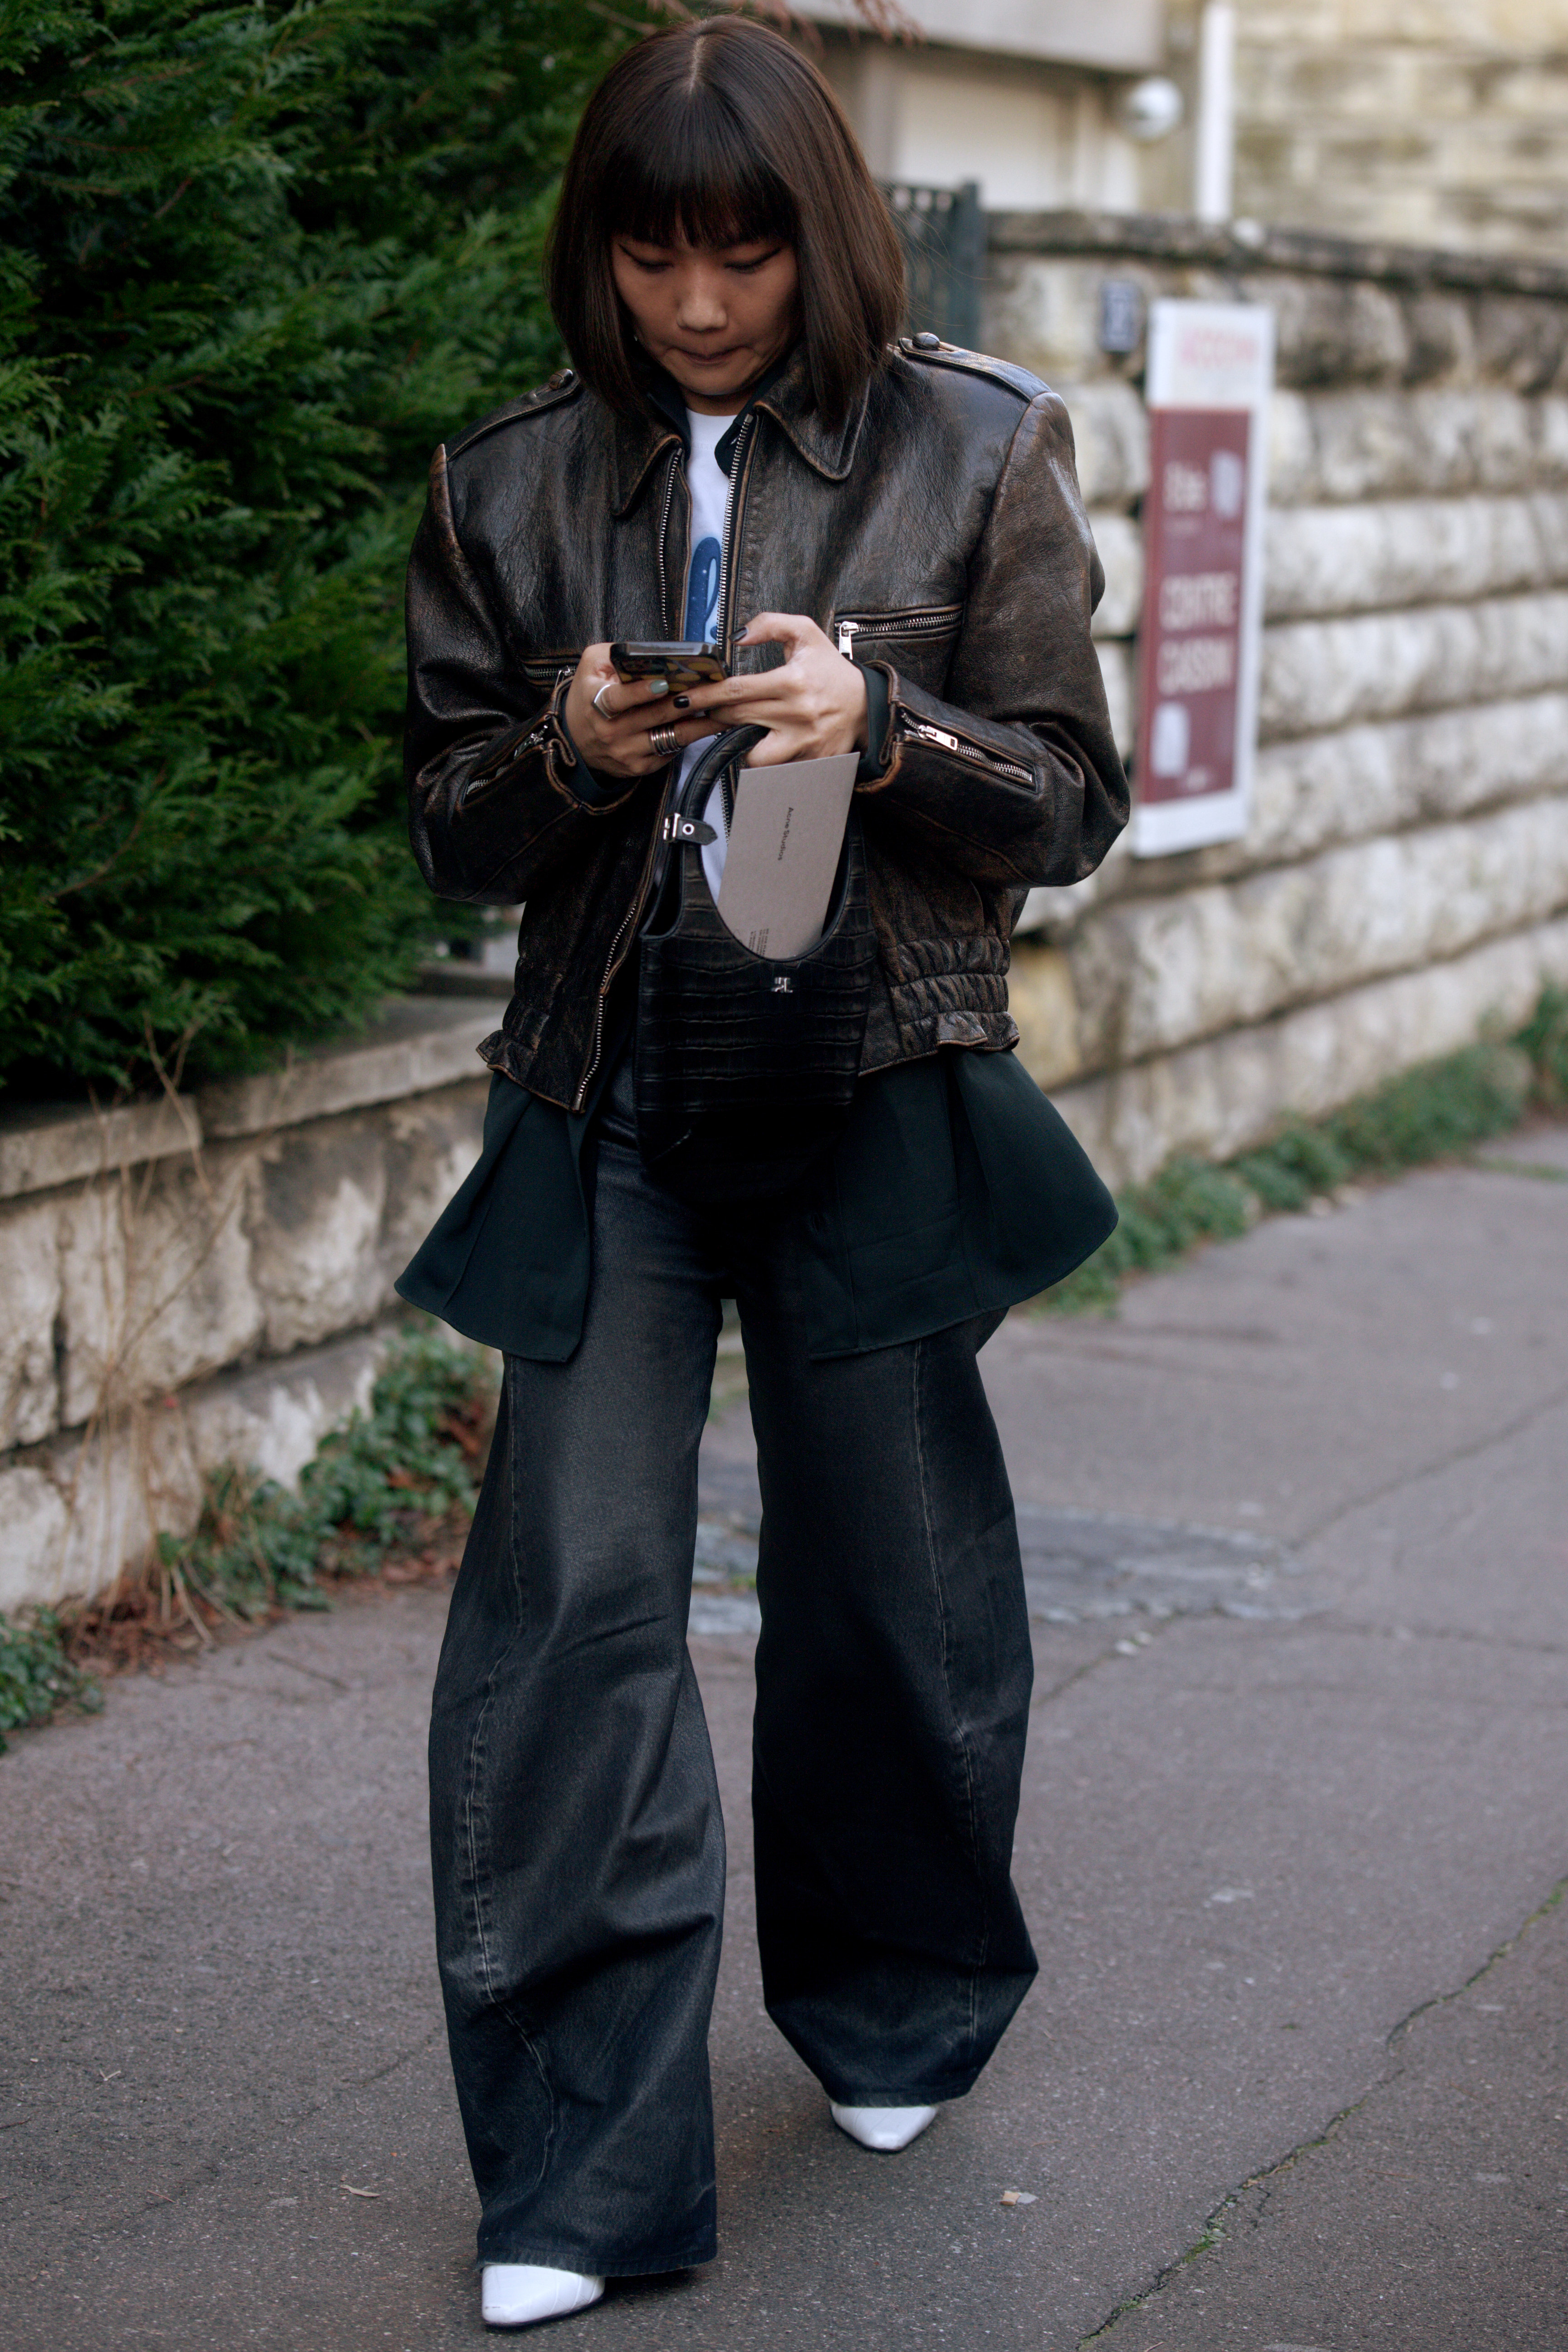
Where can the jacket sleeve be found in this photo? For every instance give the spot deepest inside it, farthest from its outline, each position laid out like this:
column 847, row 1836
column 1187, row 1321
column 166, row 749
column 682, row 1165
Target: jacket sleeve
column 497, row 797
column 1016, row 778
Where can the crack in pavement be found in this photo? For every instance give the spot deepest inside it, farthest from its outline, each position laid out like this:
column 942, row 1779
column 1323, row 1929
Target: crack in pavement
column 217, row 2167
column 1407, row 1479
column 1213, row 2231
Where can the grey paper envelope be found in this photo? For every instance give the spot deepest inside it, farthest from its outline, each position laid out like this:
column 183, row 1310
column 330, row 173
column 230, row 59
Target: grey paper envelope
column 784, row 852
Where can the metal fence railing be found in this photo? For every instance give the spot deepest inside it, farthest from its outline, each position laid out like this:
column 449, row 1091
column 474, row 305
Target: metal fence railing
column 943, row 235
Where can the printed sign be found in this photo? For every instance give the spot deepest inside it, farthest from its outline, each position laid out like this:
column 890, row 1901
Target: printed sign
column 1211, row 369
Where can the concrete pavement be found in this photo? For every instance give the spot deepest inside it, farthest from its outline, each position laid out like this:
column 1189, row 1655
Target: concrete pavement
column 1296, row 1807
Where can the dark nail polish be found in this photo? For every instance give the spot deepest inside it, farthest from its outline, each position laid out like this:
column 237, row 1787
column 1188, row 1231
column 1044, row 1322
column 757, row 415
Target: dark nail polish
column 683, row 702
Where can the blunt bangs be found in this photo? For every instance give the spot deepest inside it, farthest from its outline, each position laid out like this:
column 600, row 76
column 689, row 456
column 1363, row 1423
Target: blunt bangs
column 719, row 134
column 691, row 178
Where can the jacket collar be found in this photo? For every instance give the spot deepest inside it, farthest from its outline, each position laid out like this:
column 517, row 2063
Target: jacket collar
column 637, row 441
column 828, row 449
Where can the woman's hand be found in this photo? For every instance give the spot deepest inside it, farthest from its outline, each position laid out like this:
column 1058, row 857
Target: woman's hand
column 812, row 707
column 612, row 731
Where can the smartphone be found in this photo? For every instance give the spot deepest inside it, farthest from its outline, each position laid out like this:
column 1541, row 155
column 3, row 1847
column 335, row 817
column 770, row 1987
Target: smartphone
column 684, row 664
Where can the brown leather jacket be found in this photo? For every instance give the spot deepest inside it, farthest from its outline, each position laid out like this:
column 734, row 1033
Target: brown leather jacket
column 937, row 533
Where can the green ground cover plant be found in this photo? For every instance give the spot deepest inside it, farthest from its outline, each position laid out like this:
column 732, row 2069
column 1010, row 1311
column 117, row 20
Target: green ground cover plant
column 255, row 261
column 395, row 1480
column 38, row 1679
column 374, row 1487
column 1426, row 1113
column 408, row 1467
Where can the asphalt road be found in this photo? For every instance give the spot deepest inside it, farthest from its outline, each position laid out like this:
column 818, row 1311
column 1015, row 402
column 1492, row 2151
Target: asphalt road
column 1294, row 2077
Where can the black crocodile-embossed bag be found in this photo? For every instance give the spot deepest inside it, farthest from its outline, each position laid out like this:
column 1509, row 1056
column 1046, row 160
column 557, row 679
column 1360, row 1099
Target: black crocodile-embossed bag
column 744, row 1064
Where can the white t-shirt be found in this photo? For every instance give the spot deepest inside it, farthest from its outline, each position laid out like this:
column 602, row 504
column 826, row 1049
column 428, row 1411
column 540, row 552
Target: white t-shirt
column 710, row 490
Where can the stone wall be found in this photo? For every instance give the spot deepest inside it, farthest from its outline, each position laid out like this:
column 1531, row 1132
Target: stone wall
column 208, row 1279
column 1443, row 122
column 1405, row 876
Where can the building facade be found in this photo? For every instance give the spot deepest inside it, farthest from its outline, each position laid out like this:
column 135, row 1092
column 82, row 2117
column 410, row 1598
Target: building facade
column 1439, row 122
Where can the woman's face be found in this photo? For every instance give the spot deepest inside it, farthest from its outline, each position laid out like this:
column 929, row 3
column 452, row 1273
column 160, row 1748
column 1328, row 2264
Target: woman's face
column 715, row 316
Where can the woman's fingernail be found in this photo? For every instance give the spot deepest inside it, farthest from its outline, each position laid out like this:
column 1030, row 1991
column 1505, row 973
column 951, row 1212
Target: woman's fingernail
column 658, row 686
column 683, row 702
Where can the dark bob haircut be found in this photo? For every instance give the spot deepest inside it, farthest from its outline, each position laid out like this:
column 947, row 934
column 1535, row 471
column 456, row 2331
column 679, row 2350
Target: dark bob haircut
column 719, row 133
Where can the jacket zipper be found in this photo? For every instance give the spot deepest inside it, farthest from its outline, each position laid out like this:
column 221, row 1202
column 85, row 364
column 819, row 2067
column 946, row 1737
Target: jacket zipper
column 619, row 943
column 619, row 946
column 482, row 779
column 924, row 732
column 663, row 536
column 733, row 507
column 729, row 541
column 908, row 624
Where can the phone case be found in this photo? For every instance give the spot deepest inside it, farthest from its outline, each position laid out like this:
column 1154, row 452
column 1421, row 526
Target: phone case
column 683, row 664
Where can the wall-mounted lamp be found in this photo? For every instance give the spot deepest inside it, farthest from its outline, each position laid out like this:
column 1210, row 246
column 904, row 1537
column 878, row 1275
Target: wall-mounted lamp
column 1151, row 108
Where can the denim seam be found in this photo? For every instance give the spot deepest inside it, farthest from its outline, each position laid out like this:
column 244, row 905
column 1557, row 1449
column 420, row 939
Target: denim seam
column 479, row 1880
column 918, row 1356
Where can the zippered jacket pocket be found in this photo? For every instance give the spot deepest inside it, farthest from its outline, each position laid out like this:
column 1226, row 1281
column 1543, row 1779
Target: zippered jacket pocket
column 919, row 638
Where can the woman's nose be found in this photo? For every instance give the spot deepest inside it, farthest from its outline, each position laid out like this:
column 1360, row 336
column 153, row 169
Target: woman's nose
column 699, row 308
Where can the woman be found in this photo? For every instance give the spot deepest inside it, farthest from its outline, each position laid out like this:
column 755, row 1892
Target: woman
column 887, row 541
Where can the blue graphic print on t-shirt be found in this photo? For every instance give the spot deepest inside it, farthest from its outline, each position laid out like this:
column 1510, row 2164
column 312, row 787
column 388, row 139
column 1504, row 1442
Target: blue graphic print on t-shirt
column 702, row 591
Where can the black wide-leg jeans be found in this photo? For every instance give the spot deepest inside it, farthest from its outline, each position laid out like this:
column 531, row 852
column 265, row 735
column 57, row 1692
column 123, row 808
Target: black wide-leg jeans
column 577, row 1840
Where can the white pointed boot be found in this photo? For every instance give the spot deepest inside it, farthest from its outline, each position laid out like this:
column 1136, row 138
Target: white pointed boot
column 514, row 2294
column 887, row 2129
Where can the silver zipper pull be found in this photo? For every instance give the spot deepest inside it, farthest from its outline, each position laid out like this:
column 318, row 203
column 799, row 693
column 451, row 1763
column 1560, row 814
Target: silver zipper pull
column 930, row 734
column 847, row 631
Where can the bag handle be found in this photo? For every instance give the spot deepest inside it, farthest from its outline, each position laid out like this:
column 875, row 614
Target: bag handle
column 682, row 823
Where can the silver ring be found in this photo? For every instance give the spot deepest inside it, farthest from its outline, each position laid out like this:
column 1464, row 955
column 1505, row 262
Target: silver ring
column 665, row 741
column 599, row 700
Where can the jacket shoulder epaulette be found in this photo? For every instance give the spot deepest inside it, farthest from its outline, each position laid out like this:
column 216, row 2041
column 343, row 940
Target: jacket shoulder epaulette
column 953, row 355
column 565, row 385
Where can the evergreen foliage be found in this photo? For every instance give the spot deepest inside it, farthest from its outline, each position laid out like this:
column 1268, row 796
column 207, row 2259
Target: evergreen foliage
column 254, row 260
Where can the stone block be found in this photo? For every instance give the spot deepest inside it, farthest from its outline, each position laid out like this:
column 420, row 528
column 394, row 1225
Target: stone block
column 1041, row 999
column 1318, row 790
column 1121, row 544
column 1323, row 674
column 1336, row 445
column 30, row 1289
column 1520, row 342
column 271, row 1418
column 1440, row 336
column 1115, row 657
column 433, row 1141
column 1110, row 431
column 1361, row 557
column 1332, row 331
column 314, row 1222
column 32, row 1558
column 88, row 1506
column 419, row 1043
column 80, row 1511
column 1042, row 311
column 50, row 1144
column 155, row 1284
column 1221, row 1098
column 1152, row 974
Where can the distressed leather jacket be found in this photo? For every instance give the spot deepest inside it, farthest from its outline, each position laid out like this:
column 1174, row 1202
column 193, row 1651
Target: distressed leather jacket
column 937, row 533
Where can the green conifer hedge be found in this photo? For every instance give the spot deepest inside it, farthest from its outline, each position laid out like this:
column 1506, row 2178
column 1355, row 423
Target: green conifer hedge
column 255, row 261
